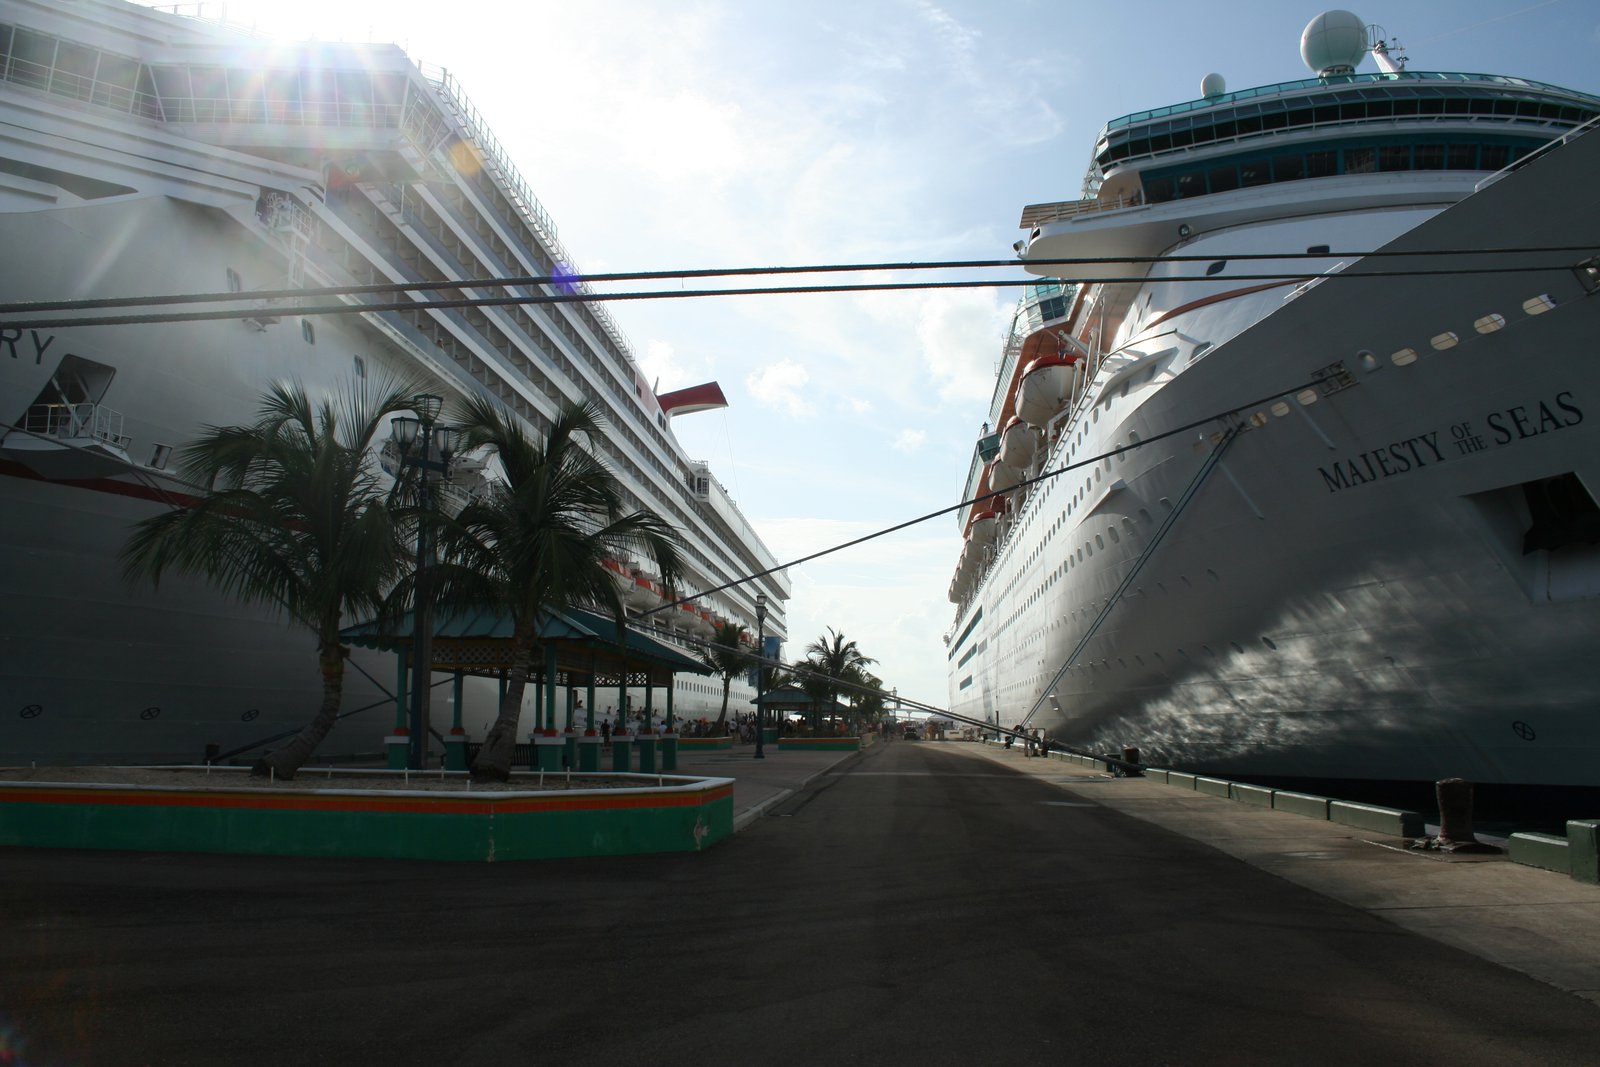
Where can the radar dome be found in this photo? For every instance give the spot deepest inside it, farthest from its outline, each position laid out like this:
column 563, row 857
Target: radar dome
column 1334, row 42
column 1212, row 85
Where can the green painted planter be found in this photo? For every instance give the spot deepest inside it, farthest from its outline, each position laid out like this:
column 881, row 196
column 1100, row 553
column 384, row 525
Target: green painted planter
column 684, row 815
column 819, row 744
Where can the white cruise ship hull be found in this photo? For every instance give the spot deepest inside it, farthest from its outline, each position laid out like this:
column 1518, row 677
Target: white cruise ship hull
column 1336, row 589
column 96, row 203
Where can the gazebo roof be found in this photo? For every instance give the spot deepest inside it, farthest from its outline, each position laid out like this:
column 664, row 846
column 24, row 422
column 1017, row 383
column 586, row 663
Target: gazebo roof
column 794, row 698
column 580, row 637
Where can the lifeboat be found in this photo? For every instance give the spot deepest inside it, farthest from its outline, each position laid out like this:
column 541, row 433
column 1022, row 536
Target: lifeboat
column 1017, row 442
column 984, row 525
column 1045, row 388
column 643, row 596
column 1003, row 478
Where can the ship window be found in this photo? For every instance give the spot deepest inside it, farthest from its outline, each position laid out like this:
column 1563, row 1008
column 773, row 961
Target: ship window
column 1190, row 185
column 1288, row 168
column 1429, row 157
column 1316, row 250
column 1216, row 267
column 1223, row 179
column 1254, row 172
column 158, row 458
column 1322, row 164
column 1360, row 160
column 1494, row 156
column 1461, row 157
column 1160, row 190
column 1395, row 157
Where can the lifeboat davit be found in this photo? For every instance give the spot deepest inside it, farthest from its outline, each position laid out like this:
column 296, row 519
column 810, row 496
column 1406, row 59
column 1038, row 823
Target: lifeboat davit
column 1045, row 388
column 1017, row 444
column 984, row 525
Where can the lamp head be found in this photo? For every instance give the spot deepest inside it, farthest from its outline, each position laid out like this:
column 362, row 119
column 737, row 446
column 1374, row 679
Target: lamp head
column 446, row 439
column 427, row 405
column 404, row 429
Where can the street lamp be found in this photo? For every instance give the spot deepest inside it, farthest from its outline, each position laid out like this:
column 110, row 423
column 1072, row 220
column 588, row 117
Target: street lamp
column 761, row 653
column 425, row 447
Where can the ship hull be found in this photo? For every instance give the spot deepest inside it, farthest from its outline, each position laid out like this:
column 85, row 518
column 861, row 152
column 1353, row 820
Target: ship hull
column 1337, row 589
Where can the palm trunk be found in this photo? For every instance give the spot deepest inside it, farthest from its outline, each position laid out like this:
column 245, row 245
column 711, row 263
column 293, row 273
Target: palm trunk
column 500, row 743
column 722, row 720
column 286, row 761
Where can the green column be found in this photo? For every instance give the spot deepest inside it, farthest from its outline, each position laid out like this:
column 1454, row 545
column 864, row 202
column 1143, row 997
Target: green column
column 550, row 687
column 455, row 717
column 588, row 724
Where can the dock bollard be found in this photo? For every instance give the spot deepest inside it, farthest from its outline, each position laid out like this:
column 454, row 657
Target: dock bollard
column 1455, row 811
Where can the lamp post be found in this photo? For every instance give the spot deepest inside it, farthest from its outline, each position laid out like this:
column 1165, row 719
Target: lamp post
column 426, row 447
column 761, row 655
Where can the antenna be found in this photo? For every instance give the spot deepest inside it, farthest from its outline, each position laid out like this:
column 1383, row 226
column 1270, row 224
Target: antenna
column 1390, row 55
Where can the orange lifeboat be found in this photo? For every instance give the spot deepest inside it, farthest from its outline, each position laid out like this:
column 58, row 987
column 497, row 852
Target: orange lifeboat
column 1017, row 443
column 1046, row 388
column 984, row 525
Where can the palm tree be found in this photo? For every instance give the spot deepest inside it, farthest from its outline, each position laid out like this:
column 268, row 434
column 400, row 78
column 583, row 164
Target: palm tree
column 728, row 659
column 539, row 540
column 835, row 659
column 290, row 514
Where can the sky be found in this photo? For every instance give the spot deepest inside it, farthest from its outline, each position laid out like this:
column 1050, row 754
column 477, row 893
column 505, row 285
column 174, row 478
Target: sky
column 732, row 133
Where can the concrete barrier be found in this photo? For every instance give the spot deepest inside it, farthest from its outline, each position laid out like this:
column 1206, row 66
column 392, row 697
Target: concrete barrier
column 1390, row 821
column 1313, row 807
column 1217, row 787
column 1583, row 849
column 1156, row 774
column 1258, row 796
column 1181, row 780
column 1541, row 850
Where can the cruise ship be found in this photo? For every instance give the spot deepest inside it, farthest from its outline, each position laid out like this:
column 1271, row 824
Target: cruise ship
column 1293, row 456
column 147, row 153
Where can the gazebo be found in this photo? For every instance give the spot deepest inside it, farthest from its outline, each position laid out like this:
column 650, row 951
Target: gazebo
column 787, row 698
column 581, row 650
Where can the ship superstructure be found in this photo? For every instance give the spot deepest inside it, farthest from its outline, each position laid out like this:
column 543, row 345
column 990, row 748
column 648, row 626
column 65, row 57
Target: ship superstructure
column 1303, row 483
column 145, row 154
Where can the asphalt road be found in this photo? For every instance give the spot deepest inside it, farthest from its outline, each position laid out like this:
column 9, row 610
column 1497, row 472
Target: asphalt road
column 918, row 906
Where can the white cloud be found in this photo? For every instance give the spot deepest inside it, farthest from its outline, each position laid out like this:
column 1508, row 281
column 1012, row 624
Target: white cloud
column 909, row 440
column 661, row 367
column 778, row 386
column 860, row 405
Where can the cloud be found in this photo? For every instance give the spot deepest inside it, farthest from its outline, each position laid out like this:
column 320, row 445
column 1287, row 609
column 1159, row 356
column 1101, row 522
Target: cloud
column 778, row 386
column 909, row 440
column 661, row 367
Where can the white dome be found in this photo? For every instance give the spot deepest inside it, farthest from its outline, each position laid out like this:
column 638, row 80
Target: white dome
column 1334, row 42
column 1212, row 85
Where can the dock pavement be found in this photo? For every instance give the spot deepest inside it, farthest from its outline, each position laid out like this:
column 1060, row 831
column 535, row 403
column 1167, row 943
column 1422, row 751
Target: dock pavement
column 1541, row 923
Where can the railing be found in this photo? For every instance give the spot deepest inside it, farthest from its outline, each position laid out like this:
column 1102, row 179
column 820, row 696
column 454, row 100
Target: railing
column 76, row 422
column 1038, row 214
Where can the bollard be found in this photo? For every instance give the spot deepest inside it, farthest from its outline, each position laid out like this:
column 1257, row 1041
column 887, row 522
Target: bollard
column 1455, row 811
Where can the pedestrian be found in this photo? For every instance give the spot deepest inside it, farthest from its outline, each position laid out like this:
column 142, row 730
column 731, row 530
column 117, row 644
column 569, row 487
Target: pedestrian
column 605, row 731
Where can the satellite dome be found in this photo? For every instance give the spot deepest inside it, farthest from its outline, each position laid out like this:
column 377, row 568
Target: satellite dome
column 1334, row 42
column 1212, row 85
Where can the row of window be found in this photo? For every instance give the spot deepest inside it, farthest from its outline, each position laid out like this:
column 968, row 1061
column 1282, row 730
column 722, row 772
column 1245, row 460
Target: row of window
column 1349, row 106
column 1220, row 176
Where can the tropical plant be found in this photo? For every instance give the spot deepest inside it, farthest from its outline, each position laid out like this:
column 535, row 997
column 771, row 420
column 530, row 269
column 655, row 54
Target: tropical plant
column 728, row 658
column 291, row 514
column 835, row 659
column 538, row 540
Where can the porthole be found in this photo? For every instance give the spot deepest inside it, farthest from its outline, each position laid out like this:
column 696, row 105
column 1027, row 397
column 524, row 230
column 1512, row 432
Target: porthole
column 1306, row 397
column 1216, row 268
column 1270, row 643
column 1115, row 538
column 1490, row 323
column 1403, row 358
column 1280, row 409
column 1236, row 647
column 1259, row 419
column 1538, row 305
column 1442, row 341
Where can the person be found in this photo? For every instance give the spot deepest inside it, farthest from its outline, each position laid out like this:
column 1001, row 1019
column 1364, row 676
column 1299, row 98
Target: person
column 605, row 730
